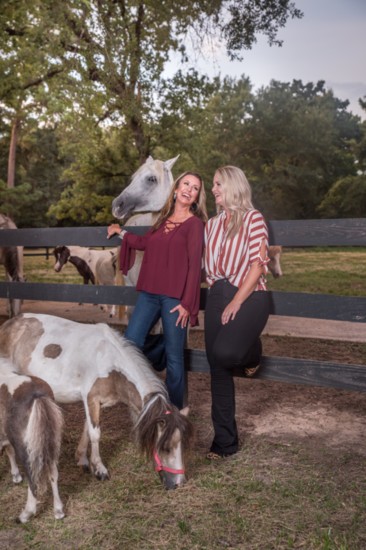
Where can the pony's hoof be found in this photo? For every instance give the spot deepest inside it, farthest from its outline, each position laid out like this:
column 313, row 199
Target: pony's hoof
column 23, row 518
column 59, row 514
column 17, row 478
column 102, row 476
column 85, row 468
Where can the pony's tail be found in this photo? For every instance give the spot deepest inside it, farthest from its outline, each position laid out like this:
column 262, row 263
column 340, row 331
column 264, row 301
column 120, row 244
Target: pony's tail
column 42, row 440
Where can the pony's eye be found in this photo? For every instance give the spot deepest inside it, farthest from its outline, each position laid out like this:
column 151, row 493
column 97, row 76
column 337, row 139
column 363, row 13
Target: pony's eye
column 152, row 179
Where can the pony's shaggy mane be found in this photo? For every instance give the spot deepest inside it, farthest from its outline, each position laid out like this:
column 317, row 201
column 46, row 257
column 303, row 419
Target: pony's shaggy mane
column 157, row 414
column 136, row 357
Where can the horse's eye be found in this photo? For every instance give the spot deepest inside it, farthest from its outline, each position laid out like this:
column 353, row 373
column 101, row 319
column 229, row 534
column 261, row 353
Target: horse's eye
column 152, row 179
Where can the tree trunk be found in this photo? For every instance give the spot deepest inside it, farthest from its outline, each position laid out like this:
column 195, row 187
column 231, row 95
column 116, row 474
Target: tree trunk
column 142, row 141
column 12, row 151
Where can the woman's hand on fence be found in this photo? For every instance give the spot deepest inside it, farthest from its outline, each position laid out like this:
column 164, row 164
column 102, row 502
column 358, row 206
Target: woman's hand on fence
column 113, row 229
column 183, row 315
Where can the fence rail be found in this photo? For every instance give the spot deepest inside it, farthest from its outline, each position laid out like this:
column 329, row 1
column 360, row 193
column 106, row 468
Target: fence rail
column 299, row 233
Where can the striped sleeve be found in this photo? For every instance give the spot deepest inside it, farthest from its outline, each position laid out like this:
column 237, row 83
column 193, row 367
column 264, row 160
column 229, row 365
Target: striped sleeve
column 257, row 233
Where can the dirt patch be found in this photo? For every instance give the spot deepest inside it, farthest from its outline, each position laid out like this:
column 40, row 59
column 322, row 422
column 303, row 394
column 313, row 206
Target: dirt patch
column 285, row 412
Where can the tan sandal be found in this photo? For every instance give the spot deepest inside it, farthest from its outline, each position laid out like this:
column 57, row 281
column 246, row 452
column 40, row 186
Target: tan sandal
column 250, row 372
column 214, row 456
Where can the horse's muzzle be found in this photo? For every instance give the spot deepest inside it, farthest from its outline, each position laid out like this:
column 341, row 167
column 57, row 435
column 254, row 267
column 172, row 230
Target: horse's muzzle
column 172, row 481
column 170, row 477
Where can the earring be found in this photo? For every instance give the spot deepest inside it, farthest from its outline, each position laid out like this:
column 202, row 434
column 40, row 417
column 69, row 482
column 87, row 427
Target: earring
column 174, row 197
column 194, row 207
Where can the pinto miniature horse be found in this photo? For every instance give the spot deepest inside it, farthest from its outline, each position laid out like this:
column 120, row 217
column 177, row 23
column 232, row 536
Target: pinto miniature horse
column 95, row 266
column 96, row 365
column 11, row 257
column 30, row 431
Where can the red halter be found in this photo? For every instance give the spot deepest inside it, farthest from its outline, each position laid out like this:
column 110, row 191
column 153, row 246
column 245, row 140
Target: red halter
column 159, row 466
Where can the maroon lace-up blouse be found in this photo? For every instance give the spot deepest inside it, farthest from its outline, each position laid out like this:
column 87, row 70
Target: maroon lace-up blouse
column 172, row 261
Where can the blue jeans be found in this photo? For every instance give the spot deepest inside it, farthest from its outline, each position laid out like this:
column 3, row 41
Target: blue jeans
column 149, row 308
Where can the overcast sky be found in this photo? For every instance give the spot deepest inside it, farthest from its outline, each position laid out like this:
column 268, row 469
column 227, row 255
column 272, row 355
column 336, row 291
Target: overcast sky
column 328, row 43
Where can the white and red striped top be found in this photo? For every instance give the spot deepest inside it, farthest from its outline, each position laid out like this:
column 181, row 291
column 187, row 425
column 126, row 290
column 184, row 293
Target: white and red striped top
column 231, row 258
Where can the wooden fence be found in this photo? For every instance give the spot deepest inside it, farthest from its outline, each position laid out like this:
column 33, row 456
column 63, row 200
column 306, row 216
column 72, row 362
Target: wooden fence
column 301, row 233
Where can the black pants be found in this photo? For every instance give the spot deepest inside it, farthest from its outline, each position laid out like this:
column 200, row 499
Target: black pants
column 229, row 347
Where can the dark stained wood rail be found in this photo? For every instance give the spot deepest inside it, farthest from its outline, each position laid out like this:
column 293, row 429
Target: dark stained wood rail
column 299, row 233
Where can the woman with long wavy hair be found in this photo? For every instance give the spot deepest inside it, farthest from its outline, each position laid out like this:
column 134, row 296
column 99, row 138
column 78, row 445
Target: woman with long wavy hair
column 170, row 275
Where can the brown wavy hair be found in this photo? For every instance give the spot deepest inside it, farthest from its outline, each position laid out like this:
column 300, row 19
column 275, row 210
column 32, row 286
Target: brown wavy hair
column 198, row 208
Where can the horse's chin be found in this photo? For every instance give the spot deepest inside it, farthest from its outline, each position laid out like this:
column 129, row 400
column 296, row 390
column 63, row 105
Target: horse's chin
column 172, row 481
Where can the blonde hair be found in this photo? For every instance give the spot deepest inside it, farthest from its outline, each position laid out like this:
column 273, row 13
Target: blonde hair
column 236, row 195
column 198, row 208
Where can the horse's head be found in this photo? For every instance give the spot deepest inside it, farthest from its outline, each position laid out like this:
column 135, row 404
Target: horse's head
column 174, row 434
column 274, row 265
column 164, row 433
column 62, row 254
column 149, row 189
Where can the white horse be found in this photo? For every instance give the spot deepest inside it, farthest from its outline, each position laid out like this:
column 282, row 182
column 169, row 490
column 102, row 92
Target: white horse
column 11, row 257
column 30, row 432
column 95, row 266
column 96, row 365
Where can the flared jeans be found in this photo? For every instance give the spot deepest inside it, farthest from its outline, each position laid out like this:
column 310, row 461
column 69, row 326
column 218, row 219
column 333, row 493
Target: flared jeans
column 230, row 348
column 149, row 308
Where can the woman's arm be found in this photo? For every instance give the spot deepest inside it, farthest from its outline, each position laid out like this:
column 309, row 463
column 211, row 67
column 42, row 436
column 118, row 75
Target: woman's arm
column 191, row 294
column 137, row 242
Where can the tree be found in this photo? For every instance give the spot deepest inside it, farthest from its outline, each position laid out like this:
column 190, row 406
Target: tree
column 39, row 182
column 103, row 60
column 121, row 48
column 27, row 67
column 299, row 142
column 99, row 173
column 345, row 199
column 211, row 134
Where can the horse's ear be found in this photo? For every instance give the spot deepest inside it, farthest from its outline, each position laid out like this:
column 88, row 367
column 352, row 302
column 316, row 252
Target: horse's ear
column 185, row 411
column 168, row 164
column 149, row 160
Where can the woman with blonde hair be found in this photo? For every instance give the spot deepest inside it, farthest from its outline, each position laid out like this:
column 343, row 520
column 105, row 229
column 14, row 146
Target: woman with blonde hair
column 237, row 306
column 170, row 275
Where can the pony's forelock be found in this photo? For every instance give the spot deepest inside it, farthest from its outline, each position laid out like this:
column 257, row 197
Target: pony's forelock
column 159, row 412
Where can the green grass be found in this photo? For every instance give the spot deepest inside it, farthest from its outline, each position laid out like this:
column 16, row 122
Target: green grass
column 268, row 496
column 338, row 271
column 39, row 269
column 326, row 270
